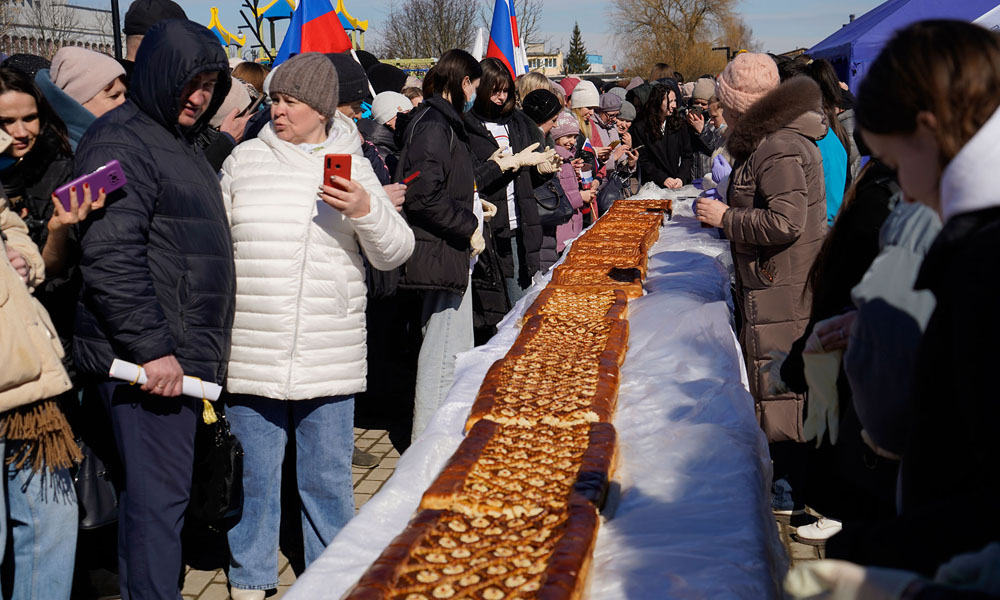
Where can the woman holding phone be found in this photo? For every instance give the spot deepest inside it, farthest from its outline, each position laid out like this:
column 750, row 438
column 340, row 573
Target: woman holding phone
column 441, row 205
column 298, row 348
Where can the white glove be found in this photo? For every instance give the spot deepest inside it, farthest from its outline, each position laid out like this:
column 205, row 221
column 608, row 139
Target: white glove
column 822, row 402
column 842, row 580
column 529, row 158
column 506, row 161
column 552, row 165
column 489, row 209
column 477, row 242
column 976, row 570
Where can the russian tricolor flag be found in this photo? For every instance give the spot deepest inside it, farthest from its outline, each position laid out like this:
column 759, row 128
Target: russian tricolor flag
column 315, row 27
column 588, row 147
column 504, row 43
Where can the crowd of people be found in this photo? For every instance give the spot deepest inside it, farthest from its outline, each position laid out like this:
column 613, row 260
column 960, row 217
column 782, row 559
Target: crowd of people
column 860, row 230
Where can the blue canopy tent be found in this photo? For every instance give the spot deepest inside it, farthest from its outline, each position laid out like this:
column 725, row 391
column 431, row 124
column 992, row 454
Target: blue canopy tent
column 853, row 48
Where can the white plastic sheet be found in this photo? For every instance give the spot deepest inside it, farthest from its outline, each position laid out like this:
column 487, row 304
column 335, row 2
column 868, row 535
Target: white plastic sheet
column 693, row 518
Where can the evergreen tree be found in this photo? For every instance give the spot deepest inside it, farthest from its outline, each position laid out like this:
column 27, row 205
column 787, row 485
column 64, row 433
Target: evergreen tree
column 576, row 60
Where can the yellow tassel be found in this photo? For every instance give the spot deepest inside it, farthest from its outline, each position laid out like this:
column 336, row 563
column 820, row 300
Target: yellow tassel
column 208, row 414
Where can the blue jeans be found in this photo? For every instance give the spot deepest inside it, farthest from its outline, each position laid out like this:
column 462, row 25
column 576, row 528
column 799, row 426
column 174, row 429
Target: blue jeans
column 42, row 517
column 447, row 327
column 324, row 440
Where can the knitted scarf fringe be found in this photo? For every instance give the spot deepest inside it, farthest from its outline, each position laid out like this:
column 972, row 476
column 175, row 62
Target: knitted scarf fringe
column 45, row 435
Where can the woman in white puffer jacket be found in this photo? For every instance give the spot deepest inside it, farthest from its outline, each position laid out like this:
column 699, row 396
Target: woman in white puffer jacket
column 298, row 346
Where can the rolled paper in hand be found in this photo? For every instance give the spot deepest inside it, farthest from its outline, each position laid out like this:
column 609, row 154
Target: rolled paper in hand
column 193, row 386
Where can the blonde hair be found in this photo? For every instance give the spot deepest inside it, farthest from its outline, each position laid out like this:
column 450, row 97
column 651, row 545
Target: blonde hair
column 529, row 82
column 584, row 125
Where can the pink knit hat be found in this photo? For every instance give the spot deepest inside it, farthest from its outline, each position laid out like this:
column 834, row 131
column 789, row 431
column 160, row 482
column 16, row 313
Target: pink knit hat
column 569, row 84
column 82, row 73
column 747, row 79
column 566, row 124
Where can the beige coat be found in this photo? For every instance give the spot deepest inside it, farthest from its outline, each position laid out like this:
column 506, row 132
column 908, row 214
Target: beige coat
column 776, row 224
column 30, row 351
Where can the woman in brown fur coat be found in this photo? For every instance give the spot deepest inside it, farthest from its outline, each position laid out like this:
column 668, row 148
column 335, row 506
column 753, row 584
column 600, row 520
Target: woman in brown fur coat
column 776, row 218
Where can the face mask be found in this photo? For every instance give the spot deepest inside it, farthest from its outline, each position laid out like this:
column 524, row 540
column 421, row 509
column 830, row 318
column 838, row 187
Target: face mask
column 469, row 103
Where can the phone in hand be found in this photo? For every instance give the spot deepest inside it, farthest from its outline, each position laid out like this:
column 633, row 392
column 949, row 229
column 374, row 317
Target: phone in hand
column 252, row 107
column 110, row 177
column 336, row 165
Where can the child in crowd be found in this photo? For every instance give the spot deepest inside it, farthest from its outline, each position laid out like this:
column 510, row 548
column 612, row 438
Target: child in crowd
column 580, row 195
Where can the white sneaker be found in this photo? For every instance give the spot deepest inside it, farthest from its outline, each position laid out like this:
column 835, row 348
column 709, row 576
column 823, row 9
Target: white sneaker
column 820, row 531
column 238, row 594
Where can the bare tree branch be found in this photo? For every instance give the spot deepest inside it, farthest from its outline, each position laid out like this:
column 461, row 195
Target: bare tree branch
column 529, row 15
column 427, row 28
column 680, row 33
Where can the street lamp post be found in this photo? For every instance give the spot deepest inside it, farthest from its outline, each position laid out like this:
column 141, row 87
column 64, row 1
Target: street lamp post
column 117, row 27
column 729, row 52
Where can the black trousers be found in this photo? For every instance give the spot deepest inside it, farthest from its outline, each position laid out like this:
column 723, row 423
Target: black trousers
column 155, row 440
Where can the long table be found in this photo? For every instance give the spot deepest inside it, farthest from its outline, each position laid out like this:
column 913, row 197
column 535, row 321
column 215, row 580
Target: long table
column 690, row 512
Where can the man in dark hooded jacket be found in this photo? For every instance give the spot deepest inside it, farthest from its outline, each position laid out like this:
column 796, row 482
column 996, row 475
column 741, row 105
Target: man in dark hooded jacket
column 159, row 287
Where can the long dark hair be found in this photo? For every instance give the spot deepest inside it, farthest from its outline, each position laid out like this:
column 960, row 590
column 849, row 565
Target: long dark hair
column 921, row 69
column 495, row 78
column 447, row 76
column 651, row 111
column 823, row 73
column 15, row 80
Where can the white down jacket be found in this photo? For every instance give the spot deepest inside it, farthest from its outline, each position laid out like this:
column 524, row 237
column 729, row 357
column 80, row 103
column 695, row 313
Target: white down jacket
column 299, row 330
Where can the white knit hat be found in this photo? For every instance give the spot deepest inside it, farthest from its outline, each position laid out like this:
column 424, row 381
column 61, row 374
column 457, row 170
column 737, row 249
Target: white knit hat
column 585, row 96
column 387, row 104
column 83, row 73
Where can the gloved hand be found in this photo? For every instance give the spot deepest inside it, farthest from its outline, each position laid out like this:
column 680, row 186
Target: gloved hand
column 720, row 168
column 842, row 580
column 550, row 166
column 506, row 161
column 489, row 209
column 772, row 372
column 529, row 158
column 823, row 404
column 975, row 570
column 477, row 242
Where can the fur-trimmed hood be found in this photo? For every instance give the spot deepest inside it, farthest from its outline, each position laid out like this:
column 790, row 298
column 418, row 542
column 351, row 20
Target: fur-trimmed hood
column 795, row 104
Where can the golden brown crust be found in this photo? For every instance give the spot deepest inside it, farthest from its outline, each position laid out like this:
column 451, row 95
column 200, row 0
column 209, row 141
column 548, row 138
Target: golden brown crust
column 597, row 276
column 451, row 480
column 569, row 565
column 585, row 304
column 379, row 580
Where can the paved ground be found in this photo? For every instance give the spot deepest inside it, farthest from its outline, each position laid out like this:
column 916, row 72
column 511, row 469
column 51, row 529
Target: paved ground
column 211, row 585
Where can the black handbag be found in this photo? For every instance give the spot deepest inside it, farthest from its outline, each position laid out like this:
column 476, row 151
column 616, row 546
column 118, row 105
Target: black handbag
column 554, row 207
column 217, row 482
column 614, row 189
column 95, row 490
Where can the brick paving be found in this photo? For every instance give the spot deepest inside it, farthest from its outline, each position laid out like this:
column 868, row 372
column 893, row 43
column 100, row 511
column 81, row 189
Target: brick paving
column 211, row 585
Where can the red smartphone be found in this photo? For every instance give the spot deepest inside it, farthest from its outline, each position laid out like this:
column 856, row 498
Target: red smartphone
column 110, row 177
column 336, row 164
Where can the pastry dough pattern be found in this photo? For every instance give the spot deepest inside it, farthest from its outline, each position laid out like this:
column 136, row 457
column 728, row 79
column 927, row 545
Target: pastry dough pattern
column 444, row 554
column 513, row 514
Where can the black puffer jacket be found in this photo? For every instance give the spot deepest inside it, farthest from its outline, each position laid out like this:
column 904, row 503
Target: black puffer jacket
column 439, row 202
column 493, row 183
column 157, row 262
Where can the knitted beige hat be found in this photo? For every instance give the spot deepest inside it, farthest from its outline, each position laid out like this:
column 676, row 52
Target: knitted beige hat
column 748, row 78
column 704, row 89
column 83, row 73
column 310, row 78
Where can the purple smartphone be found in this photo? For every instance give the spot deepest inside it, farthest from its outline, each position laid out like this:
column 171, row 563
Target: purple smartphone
column 110, row 177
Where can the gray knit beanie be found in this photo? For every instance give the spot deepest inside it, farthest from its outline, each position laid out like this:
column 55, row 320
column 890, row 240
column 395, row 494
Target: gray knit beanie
column 310, row 78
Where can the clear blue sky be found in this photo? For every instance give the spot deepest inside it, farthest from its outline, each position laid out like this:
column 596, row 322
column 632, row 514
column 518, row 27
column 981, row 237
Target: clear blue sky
column 779, row 25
